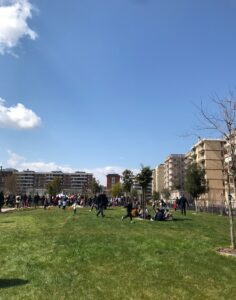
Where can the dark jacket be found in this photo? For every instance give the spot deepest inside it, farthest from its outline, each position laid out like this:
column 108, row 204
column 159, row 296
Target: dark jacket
column 129, row 207
column 183, row 202
column 102, row 201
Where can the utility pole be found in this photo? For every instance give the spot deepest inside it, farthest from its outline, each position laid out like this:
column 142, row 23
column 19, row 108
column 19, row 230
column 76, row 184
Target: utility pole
column 1, row 183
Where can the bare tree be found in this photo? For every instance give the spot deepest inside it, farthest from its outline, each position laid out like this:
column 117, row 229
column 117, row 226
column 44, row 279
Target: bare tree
column 222, row 119
column 10, row 185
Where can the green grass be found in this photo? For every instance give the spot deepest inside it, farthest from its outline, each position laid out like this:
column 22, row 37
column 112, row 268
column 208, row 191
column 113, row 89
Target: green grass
column 55, row 255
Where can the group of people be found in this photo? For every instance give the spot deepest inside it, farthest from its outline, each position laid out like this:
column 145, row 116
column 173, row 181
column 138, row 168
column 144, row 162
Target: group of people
column 134, row 208
column 137, row 210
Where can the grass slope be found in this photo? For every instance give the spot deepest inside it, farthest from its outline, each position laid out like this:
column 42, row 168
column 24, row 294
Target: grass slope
column 55, row 255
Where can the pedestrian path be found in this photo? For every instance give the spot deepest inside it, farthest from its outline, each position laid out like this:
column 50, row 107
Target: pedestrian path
column 4, row 210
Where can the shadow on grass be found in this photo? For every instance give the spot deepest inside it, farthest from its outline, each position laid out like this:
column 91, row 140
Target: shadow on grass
column 7, row 283
column 182, row 219
column 7, row 222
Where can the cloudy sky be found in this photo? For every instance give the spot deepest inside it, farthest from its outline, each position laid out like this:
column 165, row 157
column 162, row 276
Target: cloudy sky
column 110, row 84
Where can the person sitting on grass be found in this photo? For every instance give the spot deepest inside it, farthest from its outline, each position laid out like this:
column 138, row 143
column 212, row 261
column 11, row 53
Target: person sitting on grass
column 134, row 212
column 159, row 216
column 144, row 214
column 167, row 215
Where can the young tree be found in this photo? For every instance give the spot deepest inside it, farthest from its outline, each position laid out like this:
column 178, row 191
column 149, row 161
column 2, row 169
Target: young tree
column 156, row 195
column 10, row 185
column 96, row 187
column 166, row 193
column 54, row 187
column 144, row 178
column 116, row 190
column 128, row 180
column 195, row 182
column 134, row 193
column 223, row 121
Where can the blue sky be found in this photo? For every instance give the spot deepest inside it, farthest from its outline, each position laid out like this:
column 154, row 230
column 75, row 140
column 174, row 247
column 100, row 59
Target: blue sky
column 112, row 82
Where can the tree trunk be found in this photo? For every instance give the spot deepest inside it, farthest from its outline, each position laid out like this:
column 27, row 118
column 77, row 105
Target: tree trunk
column 231, row 220
column 196, row 207
column 143, row 204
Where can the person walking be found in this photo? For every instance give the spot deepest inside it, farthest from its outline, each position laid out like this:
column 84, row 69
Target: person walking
column 101, row 204
column 129, row 208
column 183, row 202
column 75, row 206
column 93, row 203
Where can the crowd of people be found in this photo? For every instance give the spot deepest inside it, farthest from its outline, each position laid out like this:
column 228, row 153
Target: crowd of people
column 134, row 207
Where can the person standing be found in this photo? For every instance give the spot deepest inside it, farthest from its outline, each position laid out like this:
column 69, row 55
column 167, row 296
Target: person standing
column 183, row 202
column 1, row 200
column 101, row 204
column 176, row 203
column 64, row 203
column 59, row 202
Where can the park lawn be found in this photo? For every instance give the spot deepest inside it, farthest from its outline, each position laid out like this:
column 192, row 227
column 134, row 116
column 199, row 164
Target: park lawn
column 54, row 255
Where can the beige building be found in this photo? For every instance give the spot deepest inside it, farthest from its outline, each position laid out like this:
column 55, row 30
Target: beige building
column 209, row 154
column 154, row 186
column 174, row 172
column 158, row 178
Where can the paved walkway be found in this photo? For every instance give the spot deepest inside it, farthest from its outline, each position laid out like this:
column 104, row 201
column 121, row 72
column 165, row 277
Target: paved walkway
column 4, row 210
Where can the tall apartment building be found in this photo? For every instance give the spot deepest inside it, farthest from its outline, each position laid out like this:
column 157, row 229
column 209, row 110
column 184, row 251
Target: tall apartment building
column 174, row 172
column 209, row 154
column 36, row 182
column 154, row 189
column 229, row 188
column 136, row 186
column 158, row 178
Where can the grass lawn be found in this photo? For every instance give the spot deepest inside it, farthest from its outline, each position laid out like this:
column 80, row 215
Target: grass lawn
column 55, row 255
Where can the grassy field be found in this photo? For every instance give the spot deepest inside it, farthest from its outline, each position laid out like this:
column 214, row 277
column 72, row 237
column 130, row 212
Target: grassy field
column 55, row 255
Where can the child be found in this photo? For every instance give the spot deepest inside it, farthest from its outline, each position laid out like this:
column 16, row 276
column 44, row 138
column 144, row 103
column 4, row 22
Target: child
column 74, row 206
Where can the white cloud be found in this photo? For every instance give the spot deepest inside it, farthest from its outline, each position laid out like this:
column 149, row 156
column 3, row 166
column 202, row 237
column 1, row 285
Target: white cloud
column 17, row 116
column 100, row 173
column 13, row 23
column 18, row 162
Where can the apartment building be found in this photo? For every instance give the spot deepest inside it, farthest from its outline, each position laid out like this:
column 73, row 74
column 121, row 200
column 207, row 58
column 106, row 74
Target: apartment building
column 136, row 186
column 209, row 154
column 154, row 189
column 174, row 172
column 36, row 182
column 158, row 178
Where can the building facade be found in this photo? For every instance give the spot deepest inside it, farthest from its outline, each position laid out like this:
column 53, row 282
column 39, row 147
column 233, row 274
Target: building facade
column 158, row 183
column 137, row 187
column 31, row 182
column 174, row 172
column 210, row 154
column 112, row 179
